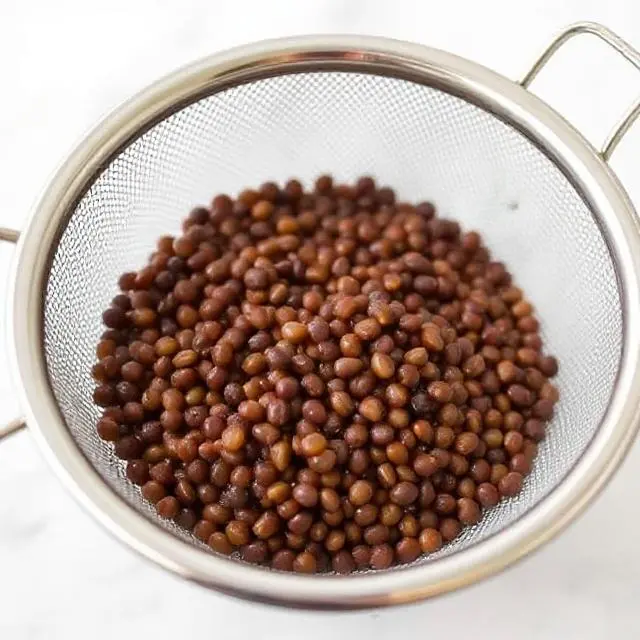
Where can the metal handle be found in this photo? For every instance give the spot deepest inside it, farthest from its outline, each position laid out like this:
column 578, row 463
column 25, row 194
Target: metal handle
column 10, row 235
column 11, row 427
column 614, row 41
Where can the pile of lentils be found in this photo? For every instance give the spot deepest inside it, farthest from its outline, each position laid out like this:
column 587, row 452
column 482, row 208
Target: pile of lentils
column 323, row 381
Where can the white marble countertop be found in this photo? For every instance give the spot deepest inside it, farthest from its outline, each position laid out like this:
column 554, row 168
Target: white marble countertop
column 63, row 65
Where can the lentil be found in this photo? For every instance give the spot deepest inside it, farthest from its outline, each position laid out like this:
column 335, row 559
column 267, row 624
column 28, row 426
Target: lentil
column 323, row 380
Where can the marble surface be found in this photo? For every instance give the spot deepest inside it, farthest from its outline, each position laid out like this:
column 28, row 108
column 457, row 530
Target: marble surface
column 65, row 64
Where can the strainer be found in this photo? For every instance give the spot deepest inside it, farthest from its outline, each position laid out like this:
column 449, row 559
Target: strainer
column 428, row 123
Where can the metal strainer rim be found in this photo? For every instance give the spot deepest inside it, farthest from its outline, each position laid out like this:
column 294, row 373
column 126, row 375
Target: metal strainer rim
column 496, row 94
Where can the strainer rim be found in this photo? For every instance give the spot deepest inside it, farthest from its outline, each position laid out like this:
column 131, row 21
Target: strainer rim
column 498, row 95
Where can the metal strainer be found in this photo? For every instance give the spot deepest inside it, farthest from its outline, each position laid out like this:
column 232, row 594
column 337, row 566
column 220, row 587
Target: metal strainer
column 428, row 123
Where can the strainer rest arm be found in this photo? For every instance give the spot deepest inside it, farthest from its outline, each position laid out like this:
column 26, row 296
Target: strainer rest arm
column 11, row 427
column 613, row 40
column 10, row 235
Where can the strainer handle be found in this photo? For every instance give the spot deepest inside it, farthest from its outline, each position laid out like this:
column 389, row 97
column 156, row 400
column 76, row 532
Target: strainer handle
column 614, row 41
column 9, row 235
column 11, row 427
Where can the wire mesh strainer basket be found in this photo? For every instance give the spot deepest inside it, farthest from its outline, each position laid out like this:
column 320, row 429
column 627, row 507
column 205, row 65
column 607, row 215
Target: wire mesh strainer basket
column 428, row 123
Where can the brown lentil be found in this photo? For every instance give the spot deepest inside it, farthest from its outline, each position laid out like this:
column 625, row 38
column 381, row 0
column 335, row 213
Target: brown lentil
column 324, row 380
column 381, row 556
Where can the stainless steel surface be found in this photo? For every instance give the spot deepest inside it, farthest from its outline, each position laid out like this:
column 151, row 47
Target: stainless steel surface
column 429, row 123
column 613, row 40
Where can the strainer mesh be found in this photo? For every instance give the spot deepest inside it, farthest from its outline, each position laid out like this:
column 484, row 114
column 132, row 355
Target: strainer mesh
column 422, row 141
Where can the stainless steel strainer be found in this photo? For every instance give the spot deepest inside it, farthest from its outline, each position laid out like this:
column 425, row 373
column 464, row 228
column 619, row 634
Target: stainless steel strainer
column 428, row 123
